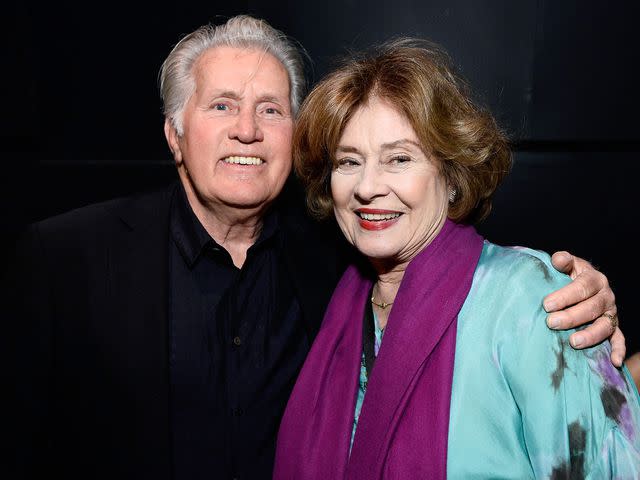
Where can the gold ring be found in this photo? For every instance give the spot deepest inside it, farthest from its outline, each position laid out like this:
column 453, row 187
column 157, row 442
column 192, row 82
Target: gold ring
column 613, row 319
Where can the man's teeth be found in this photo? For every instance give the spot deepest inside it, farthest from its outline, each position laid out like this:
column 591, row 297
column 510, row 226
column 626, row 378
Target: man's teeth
column 244, row 160
column 378, row 216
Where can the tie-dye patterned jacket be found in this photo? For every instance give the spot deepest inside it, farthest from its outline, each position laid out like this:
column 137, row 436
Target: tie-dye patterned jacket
column 524, row 404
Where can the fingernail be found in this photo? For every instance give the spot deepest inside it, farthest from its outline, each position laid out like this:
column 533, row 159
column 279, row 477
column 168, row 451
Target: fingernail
column 549, row 305
column 553, row 322
column 577, row 341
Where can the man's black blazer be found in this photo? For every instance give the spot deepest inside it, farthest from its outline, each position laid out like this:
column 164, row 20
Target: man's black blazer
column 88, row 338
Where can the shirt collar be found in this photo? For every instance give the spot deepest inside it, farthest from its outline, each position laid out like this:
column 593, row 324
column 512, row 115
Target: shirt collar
column 193, row 240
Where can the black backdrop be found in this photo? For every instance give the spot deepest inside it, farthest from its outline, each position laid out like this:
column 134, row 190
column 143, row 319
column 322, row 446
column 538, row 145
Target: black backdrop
column 82, row 117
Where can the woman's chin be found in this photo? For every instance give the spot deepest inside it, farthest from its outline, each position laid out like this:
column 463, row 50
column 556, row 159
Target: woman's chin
column 374, row 252
column 383, row 257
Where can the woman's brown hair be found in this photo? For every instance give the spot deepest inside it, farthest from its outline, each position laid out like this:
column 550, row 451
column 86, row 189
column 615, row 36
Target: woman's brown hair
column 416, row 77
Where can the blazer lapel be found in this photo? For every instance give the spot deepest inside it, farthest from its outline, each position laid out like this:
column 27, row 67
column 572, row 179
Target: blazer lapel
column 309, row 250
column 138, row 292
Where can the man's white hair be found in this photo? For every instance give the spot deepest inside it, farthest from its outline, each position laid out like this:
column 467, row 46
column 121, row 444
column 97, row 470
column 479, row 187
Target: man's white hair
column 177, row 81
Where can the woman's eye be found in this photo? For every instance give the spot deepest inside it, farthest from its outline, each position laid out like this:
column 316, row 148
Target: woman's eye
column 221, row 107
column 346, row 163
column 400, row 159
column 271, row 111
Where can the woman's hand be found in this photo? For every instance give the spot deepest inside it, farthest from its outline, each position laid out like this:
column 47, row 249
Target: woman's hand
column 587, row 298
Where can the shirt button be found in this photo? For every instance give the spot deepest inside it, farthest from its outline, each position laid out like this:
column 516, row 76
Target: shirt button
column 236, row 412
column 237, row 341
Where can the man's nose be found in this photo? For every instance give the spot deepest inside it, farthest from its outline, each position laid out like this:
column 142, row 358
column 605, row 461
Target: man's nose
column 246, row 128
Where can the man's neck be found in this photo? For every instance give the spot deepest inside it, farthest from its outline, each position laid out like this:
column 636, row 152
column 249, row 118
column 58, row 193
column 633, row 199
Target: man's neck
column 234, row 229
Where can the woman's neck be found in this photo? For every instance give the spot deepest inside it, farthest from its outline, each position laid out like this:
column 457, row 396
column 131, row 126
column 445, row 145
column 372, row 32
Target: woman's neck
column 390, row 273
column 385, row 290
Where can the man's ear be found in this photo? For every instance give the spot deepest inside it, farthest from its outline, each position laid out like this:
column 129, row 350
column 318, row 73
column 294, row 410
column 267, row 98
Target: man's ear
column 172, row 140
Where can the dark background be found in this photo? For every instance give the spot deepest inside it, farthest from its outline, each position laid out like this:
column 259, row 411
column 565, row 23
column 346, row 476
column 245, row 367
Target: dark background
column 82, row 117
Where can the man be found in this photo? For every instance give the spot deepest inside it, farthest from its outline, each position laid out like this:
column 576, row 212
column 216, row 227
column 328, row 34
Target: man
column 159, row 336
column 633, row 364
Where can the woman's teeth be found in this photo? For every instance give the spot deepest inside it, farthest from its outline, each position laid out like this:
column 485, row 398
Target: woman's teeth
column 378, row 216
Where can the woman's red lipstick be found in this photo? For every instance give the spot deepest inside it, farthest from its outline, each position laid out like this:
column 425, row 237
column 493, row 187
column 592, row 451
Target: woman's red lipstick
column 376, row 225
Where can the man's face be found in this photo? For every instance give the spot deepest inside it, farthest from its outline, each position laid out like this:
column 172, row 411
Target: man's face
column 235, row 150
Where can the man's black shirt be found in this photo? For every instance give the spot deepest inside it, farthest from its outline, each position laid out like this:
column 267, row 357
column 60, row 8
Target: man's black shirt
column 237, row 342
column 91, row 308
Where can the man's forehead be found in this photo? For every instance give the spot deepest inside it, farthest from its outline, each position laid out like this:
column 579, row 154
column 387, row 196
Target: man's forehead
column 229, row 68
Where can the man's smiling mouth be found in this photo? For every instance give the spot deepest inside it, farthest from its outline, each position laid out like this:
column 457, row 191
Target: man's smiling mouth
column 237, row 160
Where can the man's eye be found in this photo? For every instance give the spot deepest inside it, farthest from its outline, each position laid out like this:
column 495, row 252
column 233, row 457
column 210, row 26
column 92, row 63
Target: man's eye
column 221, row 107
column 271, row 111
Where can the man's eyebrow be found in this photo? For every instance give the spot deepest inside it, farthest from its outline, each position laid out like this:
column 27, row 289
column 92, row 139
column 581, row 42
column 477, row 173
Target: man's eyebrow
column 271, row 98
column 226, row 94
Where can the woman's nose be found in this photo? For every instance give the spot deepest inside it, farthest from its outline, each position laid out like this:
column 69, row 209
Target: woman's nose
column 371, row 183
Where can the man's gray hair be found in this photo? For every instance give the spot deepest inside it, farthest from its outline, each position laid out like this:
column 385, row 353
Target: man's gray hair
column 177, row 81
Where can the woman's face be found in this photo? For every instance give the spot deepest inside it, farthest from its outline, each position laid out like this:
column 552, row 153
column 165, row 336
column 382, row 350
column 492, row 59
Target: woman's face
column 389, row 197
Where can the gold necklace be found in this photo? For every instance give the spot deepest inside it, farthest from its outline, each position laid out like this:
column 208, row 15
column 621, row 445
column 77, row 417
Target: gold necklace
column 382, row 305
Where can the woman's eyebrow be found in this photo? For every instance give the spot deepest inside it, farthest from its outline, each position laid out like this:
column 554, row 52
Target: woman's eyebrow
column 400, row 143
column 347, row 149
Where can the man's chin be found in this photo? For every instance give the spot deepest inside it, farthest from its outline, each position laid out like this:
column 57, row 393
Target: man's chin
column 247, row 202
column 239, row 196
column 249, row 198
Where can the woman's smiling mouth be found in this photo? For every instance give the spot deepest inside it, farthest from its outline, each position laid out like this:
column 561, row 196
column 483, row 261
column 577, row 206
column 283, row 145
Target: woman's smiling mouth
column 371, row 219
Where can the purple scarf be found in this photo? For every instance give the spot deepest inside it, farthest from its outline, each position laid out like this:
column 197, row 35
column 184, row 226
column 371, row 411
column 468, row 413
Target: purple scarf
column 403, row 426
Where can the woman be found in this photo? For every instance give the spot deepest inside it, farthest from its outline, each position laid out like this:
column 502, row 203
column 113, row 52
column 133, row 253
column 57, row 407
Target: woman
column 393, row 146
